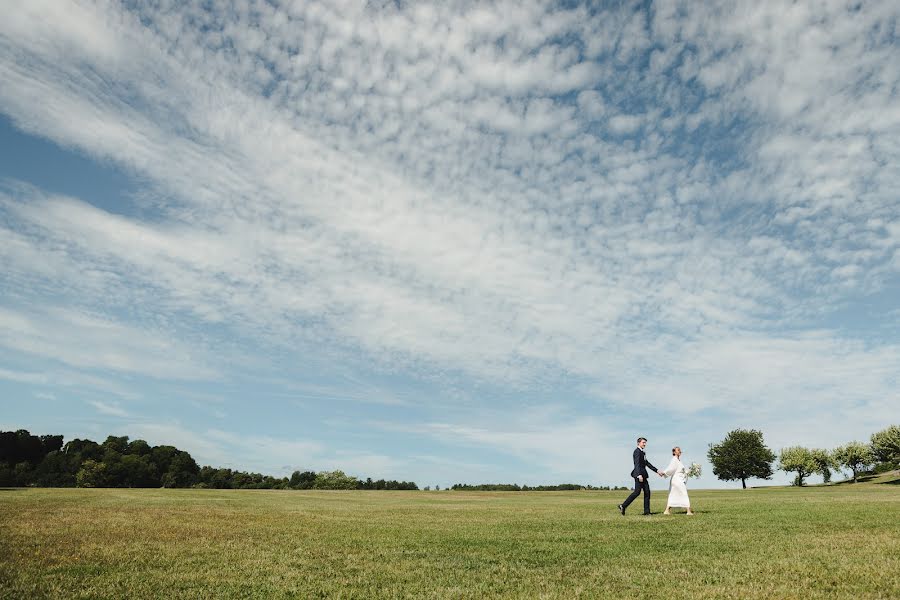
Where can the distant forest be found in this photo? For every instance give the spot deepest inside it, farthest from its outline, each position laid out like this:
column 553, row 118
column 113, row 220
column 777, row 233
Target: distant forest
column 512, row 487
column 28, row 460
column 44, row 461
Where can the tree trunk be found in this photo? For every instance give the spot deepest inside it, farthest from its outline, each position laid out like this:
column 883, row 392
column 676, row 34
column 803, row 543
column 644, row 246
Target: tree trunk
column 744, row 482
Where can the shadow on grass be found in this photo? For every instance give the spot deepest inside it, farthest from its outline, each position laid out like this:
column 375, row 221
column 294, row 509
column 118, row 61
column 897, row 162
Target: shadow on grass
column 10, row 489
column 889, row 478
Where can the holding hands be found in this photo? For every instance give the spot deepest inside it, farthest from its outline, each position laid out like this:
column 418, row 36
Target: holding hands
column 661, row 473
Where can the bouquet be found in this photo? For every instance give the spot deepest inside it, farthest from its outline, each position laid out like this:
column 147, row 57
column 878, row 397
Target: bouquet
column 693, row 471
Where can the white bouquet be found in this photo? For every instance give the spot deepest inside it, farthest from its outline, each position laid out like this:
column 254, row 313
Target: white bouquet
column 693, row 471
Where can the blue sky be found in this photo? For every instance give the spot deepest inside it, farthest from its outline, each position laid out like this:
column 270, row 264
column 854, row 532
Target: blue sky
column 450, row 242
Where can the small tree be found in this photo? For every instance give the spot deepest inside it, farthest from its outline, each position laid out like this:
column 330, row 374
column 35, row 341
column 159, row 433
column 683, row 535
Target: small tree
column 799, row 459
column 824, row 463
column 302, row 480
column 855, row 456
column 335, row 480
column 741, row 455
column 886, row 445
column 91, row 474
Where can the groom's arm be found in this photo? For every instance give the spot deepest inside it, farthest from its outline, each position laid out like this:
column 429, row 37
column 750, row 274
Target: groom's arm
column 637, row 462
column 647, row 462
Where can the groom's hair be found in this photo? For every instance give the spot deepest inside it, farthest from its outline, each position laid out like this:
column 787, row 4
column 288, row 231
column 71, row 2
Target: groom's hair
column 641, row 440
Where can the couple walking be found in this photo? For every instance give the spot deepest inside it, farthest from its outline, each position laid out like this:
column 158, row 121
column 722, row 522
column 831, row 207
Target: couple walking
column 678, row 496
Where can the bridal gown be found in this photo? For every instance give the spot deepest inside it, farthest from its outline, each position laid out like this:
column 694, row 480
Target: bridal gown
column 678, row 496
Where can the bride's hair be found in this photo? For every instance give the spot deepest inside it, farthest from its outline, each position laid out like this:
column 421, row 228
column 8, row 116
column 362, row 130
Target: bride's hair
column 674, row 449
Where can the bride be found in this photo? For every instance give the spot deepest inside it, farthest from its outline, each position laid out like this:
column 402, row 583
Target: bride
column 678, row 496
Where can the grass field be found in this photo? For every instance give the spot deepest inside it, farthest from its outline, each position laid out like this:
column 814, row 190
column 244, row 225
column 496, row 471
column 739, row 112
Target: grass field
column 819, row 542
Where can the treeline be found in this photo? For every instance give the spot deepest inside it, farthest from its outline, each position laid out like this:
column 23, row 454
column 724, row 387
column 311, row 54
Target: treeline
column 880, row 454
column 743, row 455
column 512, row 487
column 44, row 461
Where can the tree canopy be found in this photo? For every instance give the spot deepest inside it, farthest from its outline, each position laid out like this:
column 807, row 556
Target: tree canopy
column 741, row 455
column 886, row 445
column 855, row 456
column 799, row 459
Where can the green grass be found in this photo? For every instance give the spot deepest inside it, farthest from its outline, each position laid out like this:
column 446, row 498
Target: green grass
column 821, row 542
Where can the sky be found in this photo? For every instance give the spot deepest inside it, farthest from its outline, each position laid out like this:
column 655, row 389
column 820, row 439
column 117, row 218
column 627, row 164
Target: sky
column 450, row 242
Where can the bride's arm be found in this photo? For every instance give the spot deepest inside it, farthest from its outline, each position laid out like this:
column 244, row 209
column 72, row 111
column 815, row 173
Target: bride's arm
column 673, row 466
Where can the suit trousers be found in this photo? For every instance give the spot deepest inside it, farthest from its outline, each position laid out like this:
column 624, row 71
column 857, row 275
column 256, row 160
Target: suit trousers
column 640, row 486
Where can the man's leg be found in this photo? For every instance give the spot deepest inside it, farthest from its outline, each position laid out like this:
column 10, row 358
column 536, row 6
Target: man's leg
column 637, row 491
column 646, row 497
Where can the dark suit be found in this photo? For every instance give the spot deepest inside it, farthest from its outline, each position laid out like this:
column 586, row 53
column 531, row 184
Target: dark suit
column 640, row 468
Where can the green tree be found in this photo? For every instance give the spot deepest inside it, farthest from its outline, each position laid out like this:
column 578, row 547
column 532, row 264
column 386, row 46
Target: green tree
column 51, row 443
column 84, row 449
column 23, row 473
column 139, row 447
column 183, row 470
column 886, row 445
column 20, row 446
column 216, row 478
column 138, row 471
column 855, row 456
column 92, row 474
column 302, row 480
column 799, row 459
column 117, row 444
column 115, row 474
column 176, row 467
column 58, row 469
column 824, row 463
column 334, row 480
column 741, row 455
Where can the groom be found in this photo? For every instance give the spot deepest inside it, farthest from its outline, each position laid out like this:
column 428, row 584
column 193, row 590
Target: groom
column 640, row 477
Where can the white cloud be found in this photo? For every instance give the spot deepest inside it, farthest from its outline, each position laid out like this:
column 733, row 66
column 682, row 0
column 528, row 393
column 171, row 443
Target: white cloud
column 109, row 408
column 61, row 333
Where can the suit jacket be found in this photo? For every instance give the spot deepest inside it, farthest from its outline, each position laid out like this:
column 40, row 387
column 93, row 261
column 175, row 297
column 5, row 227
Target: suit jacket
column 640, row 464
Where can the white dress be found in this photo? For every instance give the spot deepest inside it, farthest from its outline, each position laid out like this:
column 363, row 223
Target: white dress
column 678, row 496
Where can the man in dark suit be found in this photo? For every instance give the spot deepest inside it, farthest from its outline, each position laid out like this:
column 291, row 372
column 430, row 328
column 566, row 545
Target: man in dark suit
column 640, row 477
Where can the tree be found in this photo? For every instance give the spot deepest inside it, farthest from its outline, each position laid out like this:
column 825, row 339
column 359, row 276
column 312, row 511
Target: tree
column 118, row 444
column 84, row 449
column 886, row 445
column 138, row 471
column 824, row 463
column 91, row 474
column 20, row 446
column 216, row 478
column 302, row 480
column 58, row 469
column 855, row 456
column 182, row 472
column 741, row 455
column 176, row 467
column 334, row 480
column 51, row 443
column 139, row 448
column 799, row 459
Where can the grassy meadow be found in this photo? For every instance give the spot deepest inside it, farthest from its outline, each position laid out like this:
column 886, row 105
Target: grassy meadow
column 838, row 541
